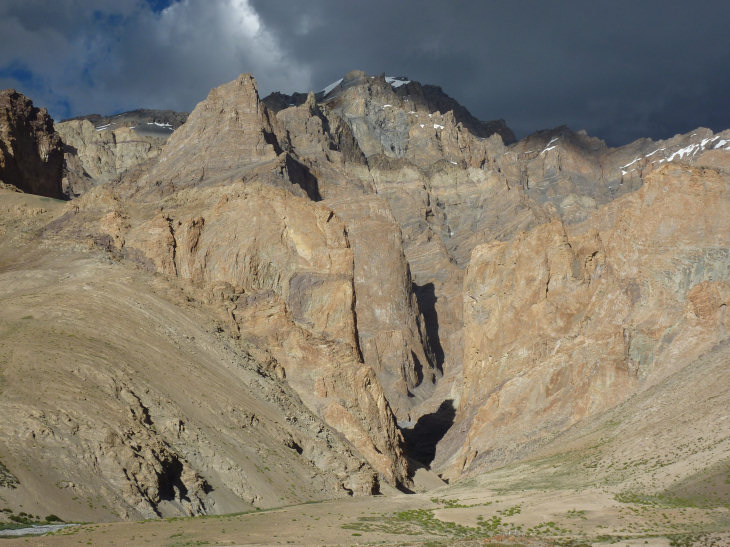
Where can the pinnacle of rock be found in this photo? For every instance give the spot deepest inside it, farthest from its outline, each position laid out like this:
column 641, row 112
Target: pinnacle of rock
column 31, row 156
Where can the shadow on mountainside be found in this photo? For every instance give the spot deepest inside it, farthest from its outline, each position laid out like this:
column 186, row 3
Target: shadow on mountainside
column 422, row 439
column 426, row 297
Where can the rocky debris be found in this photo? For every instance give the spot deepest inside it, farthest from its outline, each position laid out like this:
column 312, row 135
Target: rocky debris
column 614, row 305
column 7, row 480
column 31, row 155
column 94, row 156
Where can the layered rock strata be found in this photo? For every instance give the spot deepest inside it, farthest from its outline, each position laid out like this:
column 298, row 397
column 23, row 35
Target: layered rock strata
column 128, row 400
column 566, row 320
column 93, row 156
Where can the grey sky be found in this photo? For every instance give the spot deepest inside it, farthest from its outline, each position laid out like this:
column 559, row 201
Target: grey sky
column 620, row 69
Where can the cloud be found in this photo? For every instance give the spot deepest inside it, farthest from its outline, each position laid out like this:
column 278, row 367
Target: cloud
column 606, row 66
column 90, row 56
column 617, row 68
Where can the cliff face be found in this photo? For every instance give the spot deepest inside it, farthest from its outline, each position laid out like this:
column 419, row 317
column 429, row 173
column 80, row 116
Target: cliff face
column 98, row 156
column 31, row 157
column 125, row 398
column 424, row 285
column 565, row 321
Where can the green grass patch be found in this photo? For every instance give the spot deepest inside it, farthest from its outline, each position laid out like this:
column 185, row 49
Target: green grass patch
column 416, row 522
column 660, row 500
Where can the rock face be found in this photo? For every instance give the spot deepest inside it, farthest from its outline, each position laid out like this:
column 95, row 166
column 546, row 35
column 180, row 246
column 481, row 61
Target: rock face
column 423, row 285
column 612, row 305
column 31, row 157
column 231, row 130
column 97, row 156
column 144, row 120
column 159, row 414
column 244, row 223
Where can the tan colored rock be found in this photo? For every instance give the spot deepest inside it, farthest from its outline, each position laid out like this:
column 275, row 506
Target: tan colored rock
column 157, row 413
column 99, row 156
column 566, row 321
column 228, row 131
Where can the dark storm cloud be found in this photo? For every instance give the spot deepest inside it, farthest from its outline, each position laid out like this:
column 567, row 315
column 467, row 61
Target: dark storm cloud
column 620, row 69
column 82, row 56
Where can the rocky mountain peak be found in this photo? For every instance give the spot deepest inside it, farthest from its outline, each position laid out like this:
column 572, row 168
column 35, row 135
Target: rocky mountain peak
column 398, row 92
column 31, row 155
column 230, row 129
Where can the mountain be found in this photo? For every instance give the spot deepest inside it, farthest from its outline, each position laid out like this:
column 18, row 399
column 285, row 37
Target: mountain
column 157, row 122
column 390, row 287
column 30, row 151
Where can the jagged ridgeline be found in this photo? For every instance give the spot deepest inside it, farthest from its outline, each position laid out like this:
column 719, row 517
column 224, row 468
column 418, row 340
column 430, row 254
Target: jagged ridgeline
column 329, row 294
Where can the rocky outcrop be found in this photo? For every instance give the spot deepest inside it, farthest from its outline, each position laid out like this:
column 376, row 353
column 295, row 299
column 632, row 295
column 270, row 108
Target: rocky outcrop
column 159, row 414
column 228, row 132
column 94, row 156
column 31, row 157
column 253, row 232
column 567, row 320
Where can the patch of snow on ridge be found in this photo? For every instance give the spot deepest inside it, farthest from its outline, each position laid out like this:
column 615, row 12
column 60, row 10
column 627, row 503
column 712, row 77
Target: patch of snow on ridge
column 548, row 147
column 158, row 124
column 437, row 126
column 686, row 152
column 330, row 87
column 397, row 81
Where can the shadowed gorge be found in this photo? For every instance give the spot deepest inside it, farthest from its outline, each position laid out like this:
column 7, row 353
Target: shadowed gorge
column 422, row 438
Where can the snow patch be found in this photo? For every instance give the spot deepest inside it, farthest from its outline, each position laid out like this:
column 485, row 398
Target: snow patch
column 630, row 163
column 654, row 152
column 330, row 87
column 437, row 126
column 158, row 124
column 686, row 151
column 422, row 125
column 548, row 147
column 387, row 106
column 396, row 81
